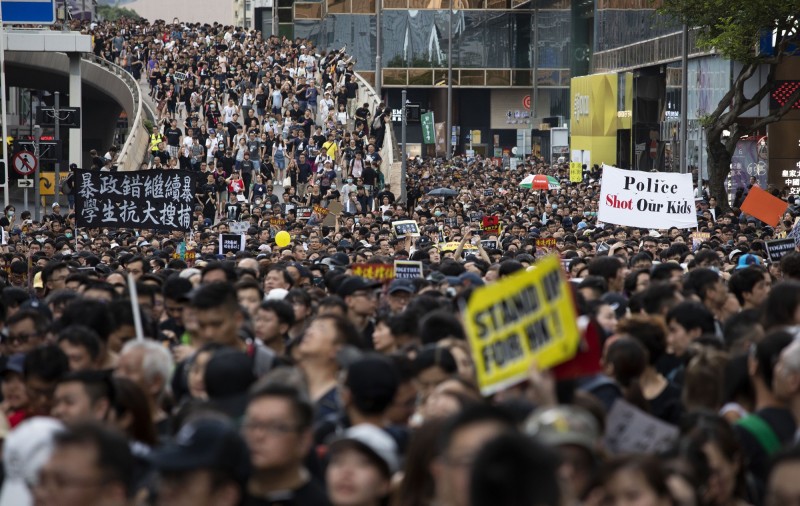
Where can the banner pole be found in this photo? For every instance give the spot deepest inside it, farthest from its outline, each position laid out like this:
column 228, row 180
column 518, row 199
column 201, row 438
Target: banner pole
column 137, row 315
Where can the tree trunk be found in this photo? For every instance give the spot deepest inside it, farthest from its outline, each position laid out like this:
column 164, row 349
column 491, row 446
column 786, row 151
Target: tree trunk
column 719, row 166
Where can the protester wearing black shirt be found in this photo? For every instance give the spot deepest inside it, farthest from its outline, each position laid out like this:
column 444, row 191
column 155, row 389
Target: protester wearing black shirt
column 279, row 476
column 233, row 208
column 304, row 175
column 362, row 116
column 233, row 127
column 173, row 135
column 386, row 193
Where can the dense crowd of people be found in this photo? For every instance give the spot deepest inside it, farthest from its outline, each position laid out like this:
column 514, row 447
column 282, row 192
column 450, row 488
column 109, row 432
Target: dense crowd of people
column 274, row 375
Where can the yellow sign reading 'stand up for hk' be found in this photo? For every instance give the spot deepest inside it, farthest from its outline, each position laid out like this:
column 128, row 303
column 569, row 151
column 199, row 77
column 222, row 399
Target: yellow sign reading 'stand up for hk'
column 527, row 317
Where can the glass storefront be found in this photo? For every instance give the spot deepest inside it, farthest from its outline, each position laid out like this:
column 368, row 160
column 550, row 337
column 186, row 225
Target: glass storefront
column 417, row 38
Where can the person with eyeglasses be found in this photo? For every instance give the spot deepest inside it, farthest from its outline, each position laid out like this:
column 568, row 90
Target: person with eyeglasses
column 54, row 276
column 26, row 330
column 460, row 440
column 277, row 427
column 650, row 245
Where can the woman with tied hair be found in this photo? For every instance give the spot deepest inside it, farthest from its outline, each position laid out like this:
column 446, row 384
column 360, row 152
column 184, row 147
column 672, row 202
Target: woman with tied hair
column 651, row 333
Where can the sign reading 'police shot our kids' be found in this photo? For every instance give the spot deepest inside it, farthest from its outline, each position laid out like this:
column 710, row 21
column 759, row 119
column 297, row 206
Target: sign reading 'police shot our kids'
column 525, row 318
column 646, row 199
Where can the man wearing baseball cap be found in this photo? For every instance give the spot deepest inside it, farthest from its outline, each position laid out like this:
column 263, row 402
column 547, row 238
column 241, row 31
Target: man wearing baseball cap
column 208, row 463
column 362, row 301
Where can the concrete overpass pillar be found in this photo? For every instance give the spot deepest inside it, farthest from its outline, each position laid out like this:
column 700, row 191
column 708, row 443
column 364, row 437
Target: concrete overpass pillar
column 75, row 99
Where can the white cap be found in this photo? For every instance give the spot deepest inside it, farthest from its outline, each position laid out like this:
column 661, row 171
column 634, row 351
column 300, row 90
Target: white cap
column 188, row 273
column 376, row 440
column 27, row 448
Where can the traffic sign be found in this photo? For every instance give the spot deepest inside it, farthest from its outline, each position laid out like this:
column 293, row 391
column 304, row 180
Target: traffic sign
column 48, row 184
column 25, row 183
column 33, row 12
column 25, row 163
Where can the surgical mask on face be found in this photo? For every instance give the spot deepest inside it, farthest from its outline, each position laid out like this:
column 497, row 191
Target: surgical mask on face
column 10, row 214
column 349, row 179
column 437, row 213
column 68, row 235
column 531, row 208
column 555, row 206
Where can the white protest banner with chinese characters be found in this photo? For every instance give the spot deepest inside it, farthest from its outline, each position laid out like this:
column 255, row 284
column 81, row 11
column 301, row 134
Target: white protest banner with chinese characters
column 152, row 199
column 646, row 199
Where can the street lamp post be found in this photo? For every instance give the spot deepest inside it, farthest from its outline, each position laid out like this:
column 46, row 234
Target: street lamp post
column 534, row 66
column 684, row 152
column 37, row 204
column 378, row 49
column 403, row 152
column 448, row 135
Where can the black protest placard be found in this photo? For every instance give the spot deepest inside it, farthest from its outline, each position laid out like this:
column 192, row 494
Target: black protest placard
column 779, row 247
column 154, row 199
column 407, row 269
column 231, row 243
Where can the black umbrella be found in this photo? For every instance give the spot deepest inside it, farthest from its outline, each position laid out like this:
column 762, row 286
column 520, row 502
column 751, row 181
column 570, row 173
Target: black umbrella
column 442, row 192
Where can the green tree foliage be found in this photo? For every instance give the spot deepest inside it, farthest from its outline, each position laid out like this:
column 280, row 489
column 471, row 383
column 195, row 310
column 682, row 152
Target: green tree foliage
column 113, row 12
column 733, row 28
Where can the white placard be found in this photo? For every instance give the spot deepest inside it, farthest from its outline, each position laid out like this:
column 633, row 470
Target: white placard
column 646, row 199
column 238, row 227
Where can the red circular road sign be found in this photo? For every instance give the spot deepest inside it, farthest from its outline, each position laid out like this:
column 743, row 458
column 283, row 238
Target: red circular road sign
column 526, row 101
column 24, row 163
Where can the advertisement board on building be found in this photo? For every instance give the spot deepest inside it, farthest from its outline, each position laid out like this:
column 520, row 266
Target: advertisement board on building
column 601, row 104
column 784, row 153
column 509, row 109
